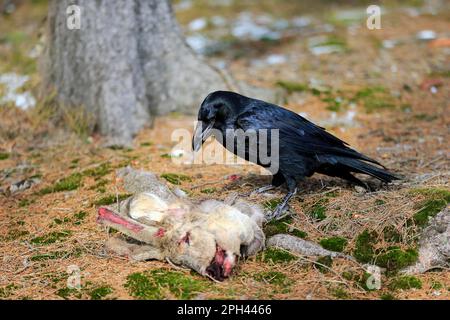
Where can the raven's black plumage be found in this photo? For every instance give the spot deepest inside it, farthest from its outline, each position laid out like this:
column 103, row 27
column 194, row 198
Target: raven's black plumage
column 304, row 148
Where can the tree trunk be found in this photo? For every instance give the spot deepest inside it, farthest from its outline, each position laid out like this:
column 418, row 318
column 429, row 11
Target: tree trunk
column 126, row 63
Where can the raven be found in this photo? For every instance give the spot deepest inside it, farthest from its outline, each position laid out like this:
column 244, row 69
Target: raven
column 304, row 148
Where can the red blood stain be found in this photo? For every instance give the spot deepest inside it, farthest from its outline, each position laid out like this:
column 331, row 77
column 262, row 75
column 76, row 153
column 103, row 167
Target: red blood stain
column 160, row 233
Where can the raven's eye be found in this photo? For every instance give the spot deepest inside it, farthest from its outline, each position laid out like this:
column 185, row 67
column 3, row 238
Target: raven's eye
column 186, row 238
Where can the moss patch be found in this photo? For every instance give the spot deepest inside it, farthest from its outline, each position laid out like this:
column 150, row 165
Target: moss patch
column 318, row 210
column 394, row 259
column 323, row 264
column 391, row 234
column 111, row 199
column 340, row 293
column 364, row 248
column 51, row 238
column 337, row 244
column 100, row 293
column 7, row 291
column 272, row 255
column 152, row 284
column 436, row 200
column 374, row 99
column 209, row 190
column 405, row 283
column 69, row 183
column 291, row 87
column 271, row 204
column 175, row 178
column 99, row 171
column 283, row 226
column 4, row 156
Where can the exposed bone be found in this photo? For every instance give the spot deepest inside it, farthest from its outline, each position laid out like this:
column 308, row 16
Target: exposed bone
column 434, row 245
column 127, row 226
column 302, row 247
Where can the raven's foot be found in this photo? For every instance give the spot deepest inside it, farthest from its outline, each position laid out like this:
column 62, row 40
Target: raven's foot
column 263, row 189
column 279, row 211
column 259, row 190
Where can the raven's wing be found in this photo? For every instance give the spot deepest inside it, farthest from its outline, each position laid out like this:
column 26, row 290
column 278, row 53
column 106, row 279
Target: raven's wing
column 295, row 132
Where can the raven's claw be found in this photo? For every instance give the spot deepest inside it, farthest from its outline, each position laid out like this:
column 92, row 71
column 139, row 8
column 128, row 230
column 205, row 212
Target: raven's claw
column 277, row 214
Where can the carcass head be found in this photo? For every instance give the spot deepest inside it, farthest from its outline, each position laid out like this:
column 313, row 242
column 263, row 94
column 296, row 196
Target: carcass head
column 198, row 249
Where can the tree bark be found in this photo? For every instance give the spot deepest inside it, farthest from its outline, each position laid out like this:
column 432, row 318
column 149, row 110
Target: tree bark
column 127, row 63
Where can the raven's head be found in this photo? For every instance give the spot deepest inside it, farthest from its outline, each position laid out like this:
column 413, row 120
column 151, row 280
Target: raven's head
column 216, row 110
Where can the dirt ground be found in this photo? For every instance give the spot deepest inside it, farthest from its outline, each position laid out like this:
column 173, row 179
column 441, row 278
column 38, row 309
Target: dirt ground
column 386, row 92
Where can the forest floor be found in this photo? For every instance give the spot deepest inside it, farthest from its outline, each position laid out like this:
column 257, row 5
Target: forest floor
column 386, row 92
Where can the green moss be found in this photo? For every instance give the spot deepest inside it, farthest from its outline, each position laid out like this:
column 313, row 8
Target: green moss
column 69, row 183
column 100, row 293
column 272, row 255
column 51, row 238
column 272, row 277
column 283, row 226
column 436, row 200
column 425, row 117
column 66, row 293
column 111, row 199
column 57, row 255
column 175, row 178
column 79, row 217
column 387, row 296
column 318, row 211
column 429, row 209
column 26, row 202
column 405, row 283
column 7, row 291
column 333, row 104
column 99, row 171
column 391, row 234
column 61, row 221
column 4, row 156
column 323, row 264
column 146, row 144
column 152, row 284
column 15, row 234
column 364, row 248
column 209, row 190
column 340, row 293
column 337, row 244
column 291, row 87
column 436, row 285
column 379, row 202
column 374, row 98
column 271, row 204
column 395, row 259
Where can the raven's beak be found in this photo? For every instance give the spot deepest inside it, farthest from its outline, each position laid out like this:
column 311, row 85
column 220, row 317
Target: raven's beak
column 201, row 133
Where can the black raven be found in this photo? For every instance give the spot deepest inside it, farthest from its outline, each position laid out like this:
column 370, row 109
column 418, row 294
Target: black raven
column 304, row 148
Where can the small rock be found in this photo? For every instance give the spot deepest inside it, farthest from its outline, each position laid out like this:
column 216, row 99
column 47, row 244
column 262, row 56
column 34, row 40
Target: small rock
column 197, row 24
column 23, row 185
column 426, row 35
column 276, row 59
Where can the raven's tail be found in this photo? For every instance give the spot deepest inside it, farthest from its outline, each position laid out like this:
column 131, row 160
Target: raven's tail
column 359, row 166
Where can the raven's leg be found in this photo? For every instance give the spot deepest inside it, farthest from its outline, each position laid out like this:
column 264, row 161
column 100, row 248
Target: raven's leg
column 263, row 189
column 277, row 214
column 277, row 181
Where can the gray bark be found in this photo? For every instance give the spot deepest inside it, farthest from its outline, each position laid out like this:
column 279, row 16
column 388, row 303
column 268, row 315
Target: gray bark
column 127, row 63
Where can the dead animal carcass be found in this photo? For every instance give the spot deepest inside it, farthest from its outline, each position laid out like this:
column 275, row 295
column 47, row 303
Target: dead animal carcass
column 208, row 237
